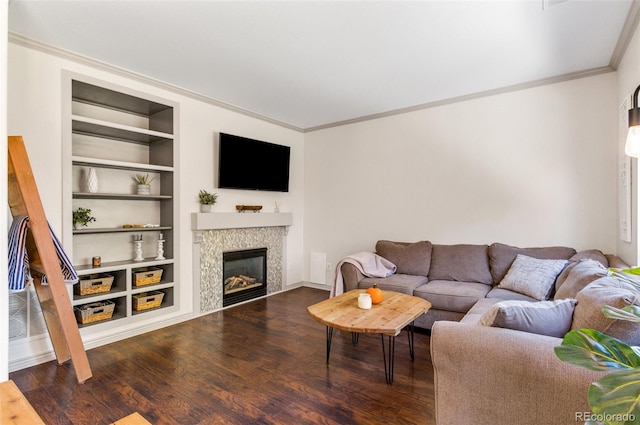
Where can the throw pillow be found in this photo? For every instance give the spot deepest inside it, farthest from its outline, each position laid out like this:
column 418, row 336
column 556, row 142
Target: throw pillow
column 607, row 291
column 409, row 258
column 580, row 275
column 552, row 318
column 532, row 276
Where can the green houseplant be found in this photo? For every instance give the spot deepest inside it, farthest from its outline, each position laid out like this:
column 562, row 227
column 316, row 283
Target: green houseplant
column 206, row 200
column 82, row 217
column 615, row 398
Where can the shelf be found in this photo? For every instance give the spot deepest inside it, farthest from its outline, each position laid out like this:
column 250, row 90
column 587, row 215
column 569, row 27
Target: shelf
column 152, row 287
column 120, row 165
column 91, row 231
column 108, row 130
column 149, row 310
column 119, row 265
column 121, row 196
column 92, row 298
column 110, row 99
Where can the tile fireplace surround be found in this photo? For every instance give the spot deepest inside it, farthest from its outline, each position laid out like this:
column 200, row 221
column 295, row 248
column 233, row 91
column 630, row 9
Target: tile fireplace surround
column 215, row 233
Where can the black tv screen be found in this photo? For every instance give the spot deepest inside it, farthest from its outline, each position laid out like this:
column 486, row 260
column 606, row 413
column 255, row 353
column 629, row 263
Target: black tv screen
column 251, row 164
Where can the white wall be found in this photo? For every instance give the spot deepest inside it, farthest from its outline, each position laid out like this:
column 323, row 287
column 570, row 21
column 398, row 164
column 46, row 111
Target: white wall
column 4, row 291
column 529, row 168
column 35, row 112
column 628, row 79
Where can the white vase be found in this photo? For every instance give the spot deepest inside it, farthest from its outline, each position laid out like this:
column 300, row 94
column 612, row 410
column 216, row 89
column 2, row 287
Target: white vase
column 144, row 189
column 205, row 208
column 91, row 182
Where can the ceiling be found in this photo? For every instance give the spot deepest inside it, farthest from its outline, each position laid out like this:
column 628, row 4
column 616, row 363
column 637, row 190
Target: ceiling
column 311, row 64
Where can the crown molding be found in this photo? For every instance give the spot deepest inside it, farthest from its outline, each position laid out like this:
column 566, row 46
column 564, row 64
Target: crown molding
column 472, row 96
column 626, row 35
column 85, row 60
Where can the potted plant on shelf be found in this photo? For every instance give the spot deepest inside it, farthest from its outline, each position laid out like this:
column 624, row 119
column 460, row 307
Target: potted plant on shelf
column 144, row 182
column 206, row 200
column 82, row 217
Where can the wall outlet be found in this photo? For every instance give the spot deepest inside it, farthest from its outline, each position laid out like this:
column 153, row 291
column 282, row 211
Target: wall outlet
column 328, row 266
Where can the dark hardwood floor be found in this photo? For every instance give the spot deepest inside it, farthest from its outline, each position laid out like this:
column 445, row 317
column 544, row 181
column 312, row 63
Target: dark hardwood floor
column 258, row 363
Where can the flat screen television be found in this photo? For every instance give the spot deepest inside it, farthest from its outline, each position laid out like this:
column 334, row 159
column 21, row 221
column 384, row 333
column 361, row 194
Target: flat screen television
column 251, row 164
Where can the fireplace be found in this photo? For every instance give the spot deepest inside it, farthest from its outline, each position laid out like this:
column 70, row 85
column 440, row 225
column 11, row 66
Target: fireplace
column 244, row 275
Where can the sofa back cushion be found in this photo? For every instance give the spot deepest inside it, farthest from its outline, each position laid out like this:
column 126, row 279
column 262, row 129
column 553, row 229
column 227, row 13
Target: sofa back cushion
column 462, row 263
column 501, row 256
column 607, row 291
column 591, row 254
column 576, row 276
column 409, row 258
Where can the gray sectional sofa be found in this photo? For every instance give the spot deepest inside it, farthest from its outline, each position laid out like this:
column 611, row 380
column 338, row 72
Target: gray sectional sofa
column 453, row 278
column 492, row 345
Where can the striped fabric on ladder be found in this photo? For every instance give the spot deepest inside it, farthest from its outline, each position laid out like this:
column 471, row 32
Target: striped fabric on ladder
column 19, row 270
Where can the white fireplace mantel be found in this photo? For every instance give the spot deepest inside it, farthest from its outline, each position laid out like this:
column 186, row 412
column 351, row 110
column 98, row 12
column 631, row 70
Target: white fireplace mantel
column 236, row 220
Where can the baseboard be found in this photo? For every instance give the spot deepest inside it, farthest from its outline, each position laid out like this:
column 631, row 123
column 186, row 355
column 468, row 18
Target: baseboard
column 315, row 285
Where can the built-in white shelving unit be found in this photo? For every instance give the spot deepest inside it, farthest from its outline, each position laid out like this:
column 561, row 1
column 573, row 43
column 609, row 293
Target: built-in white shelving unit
column 120, row 133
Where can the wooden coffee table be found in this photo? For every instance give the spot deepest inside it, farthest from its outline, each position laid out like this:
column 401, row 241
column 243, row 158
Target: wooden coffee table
column 394, row 313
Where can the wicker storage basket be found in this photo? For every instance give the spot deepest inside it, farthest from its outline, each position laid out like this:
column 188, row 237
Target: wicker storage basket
column 147, row 276
column 94, row 312
column 93, row 284
column 147, row 300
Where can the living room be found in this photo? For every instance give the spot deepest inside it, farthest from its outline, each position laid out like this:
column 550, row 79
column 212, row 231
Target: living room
column 530, row 165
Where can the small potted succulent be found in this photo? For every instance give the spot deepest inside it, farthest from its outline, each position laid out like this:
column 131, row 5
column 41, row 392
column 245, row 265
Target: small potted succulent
column 206, row 200
column 143, row 182
column 82, row 217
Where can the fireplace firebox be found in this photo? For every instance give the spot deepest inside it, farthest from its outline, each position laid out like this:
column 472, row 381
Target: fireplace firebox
column 244, row 275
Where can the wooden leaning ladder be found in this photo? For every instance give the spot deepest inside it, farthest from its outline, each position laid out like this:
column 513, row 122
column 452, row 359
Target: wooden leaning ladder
column 54, row 298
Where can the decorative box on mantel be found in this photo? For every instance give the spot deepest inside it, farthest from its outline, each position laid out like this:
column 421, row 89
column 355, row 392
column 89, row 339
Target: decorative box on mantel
column 234, row 220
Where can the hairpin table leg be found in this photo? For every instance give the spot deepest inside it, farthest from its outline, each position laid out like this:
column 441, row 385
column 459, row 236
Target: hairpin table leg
column 329, row 335
column 388, row 354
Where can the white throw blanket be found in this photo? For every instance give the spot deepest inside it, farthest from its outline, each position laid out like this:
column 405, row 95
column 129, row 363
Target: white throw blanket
column 369, row 264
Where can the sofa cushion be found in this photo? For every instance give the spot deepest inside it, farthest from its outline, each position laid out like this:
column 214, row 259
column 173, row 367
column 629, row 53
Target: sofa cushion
column 552, row 318
column 591, row 254
column 464, row 263
column 532, row 276
column 579, row 275
column 501, row 256
column 607, row 291
column 506, row 294
column 478, row 310
column 452, row 295
column 409, row 258
column 403, row 283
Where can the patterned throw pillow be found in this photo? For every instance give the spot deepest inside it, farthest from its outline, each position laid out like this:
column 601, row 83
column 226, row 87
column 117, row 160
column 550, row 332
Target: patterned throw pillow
column 532, row 277
column 552, row 318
